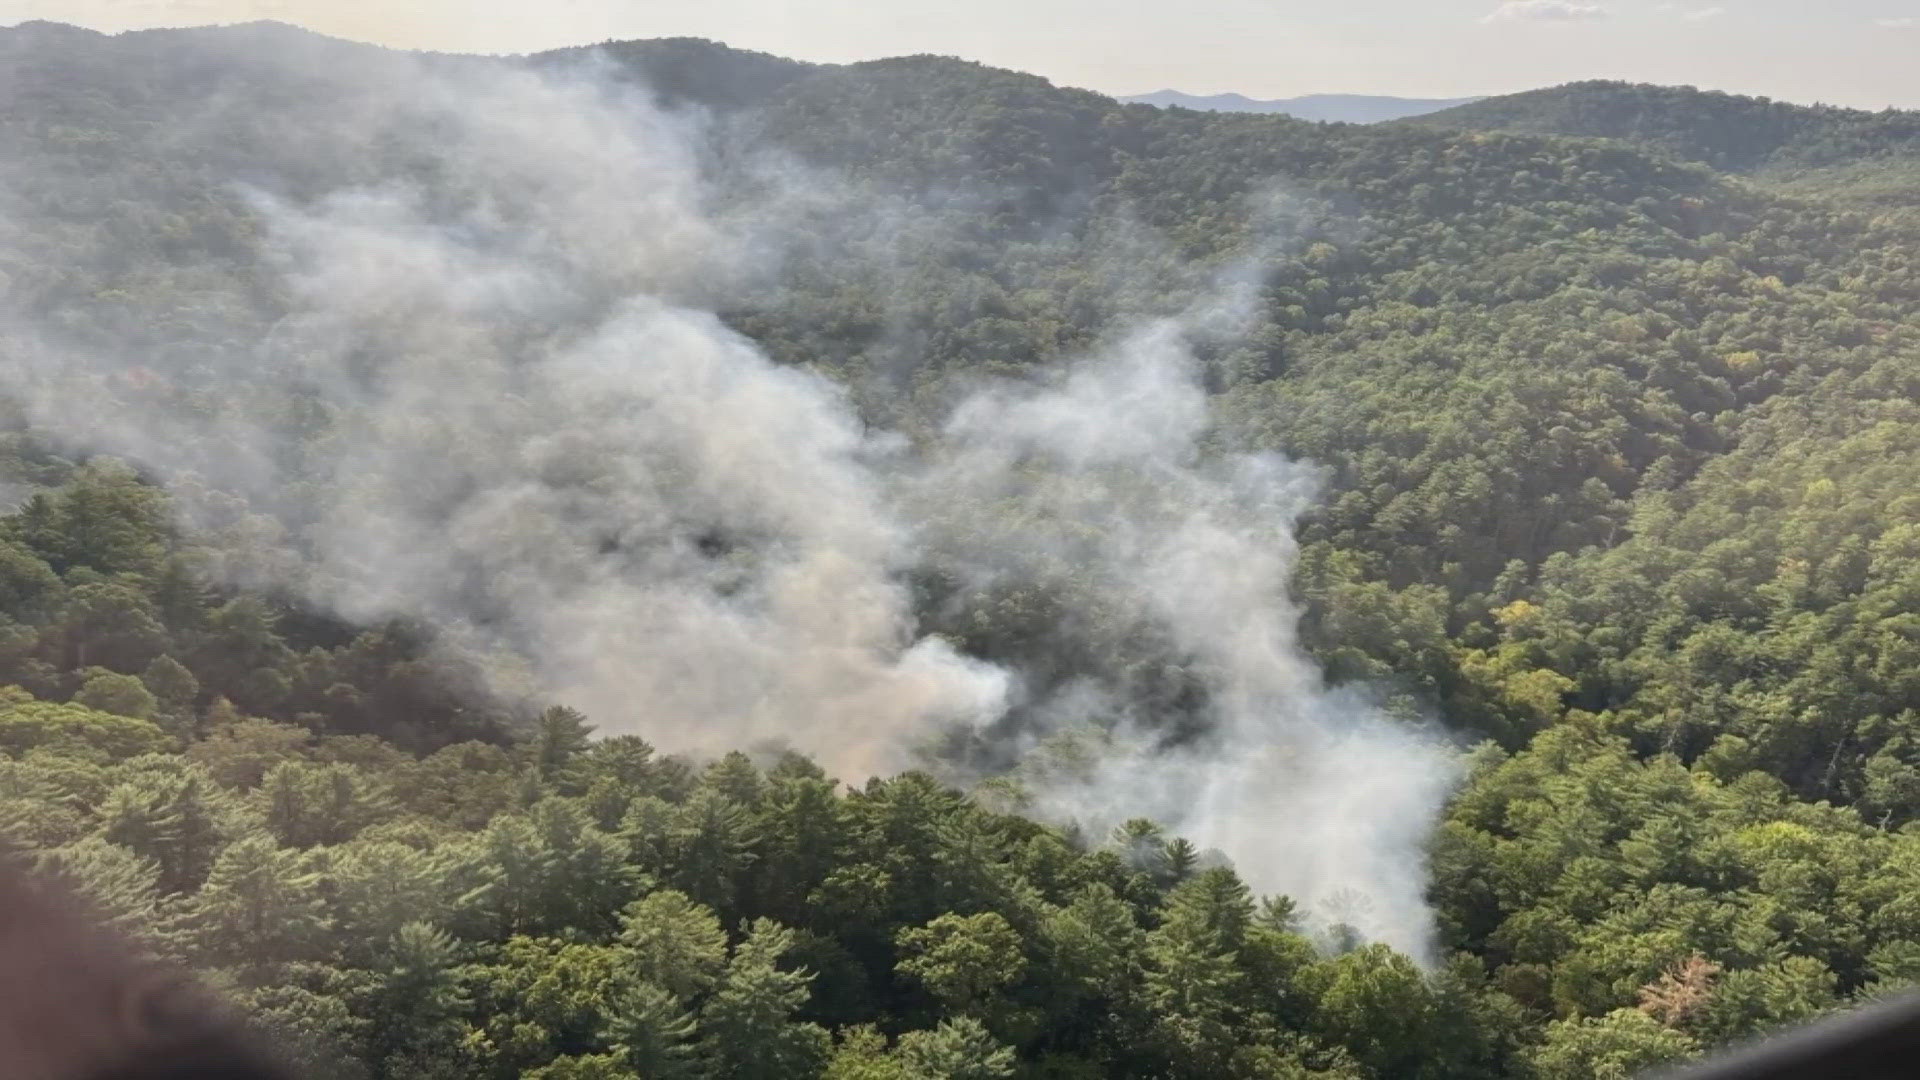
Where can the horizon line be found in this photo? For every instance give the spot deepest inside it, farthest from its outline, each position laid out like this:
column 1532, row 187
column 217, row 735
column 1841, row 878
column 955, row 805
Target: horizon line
column 1116, row 95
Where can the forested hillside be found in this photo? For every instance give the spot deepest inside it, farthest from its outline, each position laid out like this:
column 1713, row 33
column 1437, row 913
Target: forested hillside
column 1817, row 149
column 1614, row 448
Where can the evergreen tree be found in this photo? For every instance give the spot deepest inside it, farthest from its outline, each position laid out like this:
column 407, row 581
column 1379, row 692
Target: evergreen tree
column 748, row 1022
column 170, row 815
column 259, row 903
column 414, row 1007
column 560, row 736
column 959, row 1049
column 674, row 943
column 654, row 1034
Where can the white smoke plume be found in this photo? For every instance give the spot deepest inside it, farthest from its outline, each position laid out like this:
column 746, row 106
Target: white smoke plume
column 1313, row 793
column 502, row 404
column 536, row 438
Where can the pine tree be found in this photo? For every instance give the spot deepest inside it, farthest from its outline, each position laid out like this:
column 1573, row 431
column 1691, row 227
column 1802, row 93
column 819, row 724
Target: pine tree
column 308, row 804
column 561, row 736
column 654, row 1033
column 959, row 1049
column 415, row 1006
column 375, row 887
column 586, row 879
column 713, row 842
column 749, row 1025
column 674, row 943
column 172, row 816
column 259, row 903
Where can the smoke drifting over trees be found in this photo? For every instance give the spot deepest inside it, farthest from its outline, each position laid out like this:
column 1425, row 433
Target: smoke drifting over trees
column 532, row 433
column 1098, row 528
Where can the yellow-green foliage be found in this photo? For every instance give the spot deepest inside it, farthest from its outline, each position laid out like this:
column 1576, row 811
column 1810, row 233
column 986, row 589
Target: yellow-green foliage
column 29, row 724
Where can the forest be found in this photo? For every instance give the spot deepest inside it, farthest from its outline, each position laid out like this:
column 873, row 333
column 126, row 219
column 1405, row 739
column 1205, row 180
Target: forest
column 1611, row 396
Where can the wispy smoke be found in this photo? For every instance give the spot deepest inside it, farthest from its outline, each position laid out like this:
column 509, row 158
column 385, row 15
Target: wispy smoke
column 494, row 397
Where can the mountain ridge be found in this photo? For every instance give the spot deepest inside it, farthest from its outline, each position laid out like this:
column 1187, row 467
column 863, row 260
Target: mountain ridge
column 1333, row 108
column 1730, row 132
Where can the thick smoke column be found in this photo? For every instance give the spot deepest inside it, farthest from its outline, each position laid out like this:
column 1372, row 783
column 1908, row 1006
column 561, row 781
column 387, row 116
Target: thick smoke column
column 496, row 399
column 679, row 535
column 1312, row 792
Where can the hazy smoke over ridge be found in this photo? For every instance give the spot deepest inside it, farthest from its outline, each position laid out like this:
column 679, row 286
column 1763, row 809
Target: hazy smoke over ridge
column 518, row 419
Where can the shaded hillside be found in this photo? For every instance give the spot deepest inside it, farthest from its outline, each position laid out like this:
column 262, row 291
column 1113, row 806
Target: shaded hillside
column 694, row 70
column 1815, row 149
column 1727, row 131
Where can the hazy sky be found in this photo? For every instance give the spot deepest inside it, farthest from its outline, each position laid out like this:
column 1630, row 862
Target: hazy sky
column 1851, row 52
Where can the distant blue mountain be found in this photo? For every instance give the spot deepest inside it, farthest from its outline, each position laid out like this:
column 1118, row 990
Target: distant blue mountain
column 1344, row 108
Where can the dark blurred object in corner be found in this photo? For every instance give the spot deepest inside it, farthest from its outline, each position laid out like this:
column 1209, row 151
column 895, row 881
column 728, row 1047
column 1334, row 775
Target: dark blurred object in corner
column 78, row 1002
column 1879, row 1042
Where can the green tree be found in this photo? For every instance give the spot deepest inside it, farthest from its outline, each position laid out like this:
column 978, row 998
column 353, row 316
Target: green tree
column 586, row 877
column 654, row 1033
column 585, row 1067
column 748, row 1022
column 174, row 690
column 674, row 943
column 122, row 886
column 1094, row 942
column 307, row 804
column 172, row 815
column 541, row 998
column 376, row 887
column 415, row 1006
column 964, row 960
column 240, row 753
column 122, row 695
column 862, row 1054
column 560, row 736
column 1376, row 1002
column 1617, row 1046
column 30, row 592
column 27, row 724
column 109, row 622
column 502, row 872
column 259, row 903
column 1194, row 985
column 959, row 1049
column 312, row 1030
column 713, row 842
column 1746, row 1001
column 104, row 519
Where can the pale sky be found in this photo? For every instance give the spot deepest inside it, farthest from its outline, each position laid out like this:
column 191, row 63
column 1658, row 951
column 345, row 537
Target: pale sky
column 1864, row 53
